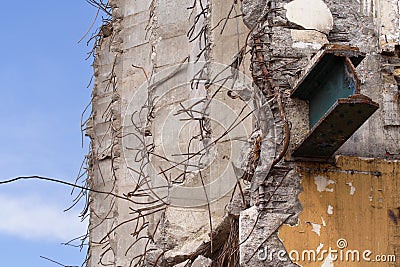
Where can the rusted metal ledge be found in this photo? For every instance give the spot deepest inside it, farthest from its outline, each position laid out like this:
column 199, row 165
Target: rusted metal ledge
column 335, row 127
column 331, row 87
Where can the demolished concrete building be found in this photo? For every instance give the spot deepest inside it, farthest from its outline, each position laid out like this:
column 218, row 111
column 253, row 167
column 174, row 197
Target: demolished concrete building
column 246, row 133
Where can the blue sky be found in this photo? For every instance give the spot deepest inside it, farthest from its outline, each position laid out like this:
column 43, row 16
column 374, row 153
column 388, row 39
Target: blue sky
column 43, row 76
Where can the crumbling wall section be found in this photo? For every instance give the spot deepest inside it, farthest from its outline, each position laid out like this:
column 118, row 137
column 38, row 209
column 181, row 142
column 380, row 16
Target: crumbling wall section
column 143, row 74
column 296, row 35
column 172, row 79
column 290, row 33
column 103, row 129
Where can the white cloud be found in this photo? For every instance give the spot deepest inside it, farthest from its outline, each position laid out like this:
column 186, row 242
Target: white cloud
column 31, row 217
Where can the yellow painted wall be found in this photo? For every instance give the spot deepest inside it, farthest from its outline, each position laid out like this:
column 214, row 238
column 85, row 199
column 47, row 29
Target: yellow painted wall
column 361, row 193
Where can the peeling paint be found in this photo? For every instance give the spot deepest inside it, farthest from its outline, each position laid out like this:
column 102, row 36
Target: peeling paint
column 328, row 262
column 352, row 188
column 316, row 228
column 354, row 218
column 323, row 183
column 330, row 210
column 323, row 222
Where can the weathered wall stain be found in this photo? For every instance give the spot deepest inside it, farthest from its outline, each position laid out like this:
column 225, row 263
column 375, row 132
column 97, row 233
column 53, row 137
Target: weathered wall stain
column 366, row 219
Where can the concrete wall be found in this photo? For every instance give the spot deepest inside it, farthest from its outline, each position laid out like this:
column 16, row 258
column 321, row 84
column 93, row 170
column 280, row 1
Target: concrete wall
column 351, row 206
column 175, row 184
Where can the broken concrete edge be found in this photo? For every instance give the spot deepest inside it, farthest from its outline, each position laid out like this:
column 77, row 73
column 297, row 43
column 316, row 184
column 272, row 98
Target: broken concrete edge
column 270, row 224
column 259, row 225
column 185, row 263
column 234, row 210
column 256, row 229
column 208, row 249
